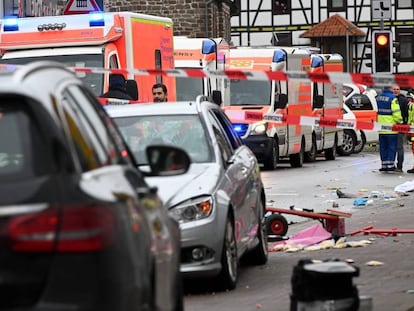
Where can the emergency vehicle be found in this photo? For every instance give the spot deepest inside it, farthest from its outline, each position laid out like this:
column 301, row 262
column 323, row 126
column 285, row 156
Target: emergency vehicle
column 201, row 53
column 98, row 40
column 327, row 101
column 251, row 100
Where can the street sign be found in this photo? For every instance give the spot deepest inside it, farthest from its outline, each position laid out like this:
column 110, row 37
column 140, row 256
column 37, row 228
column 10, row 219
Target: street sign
column 381, row 9
column 80, row 7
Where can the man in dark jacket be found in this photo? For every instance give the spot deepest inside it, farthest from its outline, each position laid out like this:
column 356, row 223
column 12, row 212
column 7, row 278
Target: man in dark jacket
column 117, row 88
column 403, row 102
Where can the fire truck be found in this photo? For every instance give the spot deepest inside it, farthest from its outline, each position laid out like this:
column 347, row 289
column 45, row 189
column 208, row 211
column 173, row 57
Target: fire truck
column 121, row 40
column 251, row 100
column 201, row 53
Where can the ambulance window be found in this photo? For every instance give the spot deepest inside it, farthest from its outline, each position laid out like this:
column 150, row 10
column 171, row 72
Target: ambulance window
column 113, row 61
column 158, row 64
column 359, row 102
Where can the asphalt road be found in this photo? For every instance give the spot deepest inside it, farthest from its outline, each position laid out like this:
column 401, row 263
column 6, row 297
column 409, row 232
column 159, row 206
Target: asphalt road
column 390, row 286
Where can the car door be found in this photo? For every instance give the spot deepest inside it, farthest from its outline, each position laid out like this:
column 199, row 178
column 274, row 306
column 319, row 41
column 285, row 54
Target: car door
column 240, row 174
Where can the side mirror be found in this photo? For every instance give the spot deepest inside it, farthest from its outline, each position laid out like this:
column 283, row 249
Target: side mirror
column 167, row 160
column 216, row 97
column 318, row 102
column 132, row 89
column 282, row 101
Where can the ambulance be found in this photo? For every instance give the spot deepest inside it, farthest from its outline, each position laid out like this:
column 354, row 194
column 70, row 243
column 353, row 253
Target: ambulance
column 327, row 103
column 201, row 53
column 251, row 100
column 116, row 40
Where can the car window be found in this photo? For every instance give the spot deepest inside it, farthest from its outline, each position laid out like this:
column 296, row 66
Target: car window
column 227, row 128
column 23, row 150
column 94, row 125
column 184, row 131
column 222, row 142
column 359, row 102
column 80, row 136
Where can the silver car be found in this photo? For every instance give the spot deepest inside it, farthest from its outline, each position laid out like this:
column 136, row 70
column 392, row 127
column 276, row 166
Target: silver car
column 220, row 202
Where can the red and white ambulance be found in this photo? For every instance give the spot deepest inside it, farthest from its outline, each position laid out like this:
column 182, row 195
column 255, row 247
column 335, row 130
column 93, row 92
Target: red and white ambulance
column 121, row 40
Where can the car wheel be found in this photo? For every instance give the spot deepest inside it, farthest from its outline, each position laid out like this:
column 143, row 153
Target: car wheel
column 259, row 254
column 227, row 278
column 330, row 153
column 360, row 145
column 349, row 143
column 296, row 160
column 276, row 224
column 310, row 156
column 271, row 160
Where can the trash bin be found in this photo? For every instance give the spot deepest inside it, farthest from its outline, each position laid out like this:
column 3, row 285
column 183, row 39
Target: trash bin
column 324, row 286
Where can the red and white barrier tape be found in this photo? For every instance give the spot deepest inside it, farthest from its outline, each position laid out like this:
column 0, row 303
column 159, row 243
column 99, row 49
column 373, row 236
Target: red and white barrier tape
column 338, row 123
column 327, row 77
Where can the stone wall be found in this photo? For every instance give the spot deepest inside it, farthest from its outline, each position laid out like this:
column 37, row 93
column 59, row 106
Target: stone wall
column 189, row 16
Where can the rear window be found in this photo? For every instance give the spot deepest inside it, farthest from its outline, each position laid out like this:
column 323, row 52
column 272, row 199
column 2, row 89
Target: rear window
column 21, row 146
column 359, row 102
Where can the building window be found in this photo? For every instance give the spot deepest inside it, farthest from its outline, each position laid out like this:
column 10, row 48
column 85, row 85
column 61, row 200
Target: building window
column 405, row 36
column 281, row 39
column 404, row 4
column 336, row 5
column 280, row 7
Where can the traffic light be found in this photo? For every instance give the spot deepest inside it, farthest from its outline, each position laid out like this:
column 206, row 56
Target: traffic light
column 382, row 51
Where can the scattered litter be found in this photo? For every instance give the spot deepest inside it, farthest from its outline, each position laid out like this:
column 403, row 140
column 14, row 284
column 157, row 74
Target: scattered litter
column 405, row 187
column 360, row 202
column 342, row 195
column 258, row 306
column 410, row 291
column 374, row 263
column 334, row 188
column 335, row 204
column 349, row 260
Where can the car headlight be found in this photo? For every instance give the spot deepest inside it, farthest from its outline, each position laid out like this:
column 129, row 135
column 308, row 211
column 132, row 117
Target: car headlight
column 259, row 128
column 194, row 209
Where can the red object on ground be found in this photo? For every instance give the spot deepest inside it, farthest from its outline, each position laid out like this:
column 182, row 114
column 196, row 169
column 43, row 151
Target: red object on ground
column 332, row 223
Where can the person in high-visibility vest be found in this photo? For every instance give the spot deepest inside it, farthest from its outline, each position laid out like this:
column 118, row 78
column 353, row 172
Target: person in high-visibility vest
column 411, row 122
column 389, row 112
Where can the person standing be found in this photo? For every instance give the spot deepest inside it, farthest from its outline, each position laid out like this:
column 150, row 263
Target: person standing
column 389, row 112
column 159, row 93
column 403, row 102
column 117, row 88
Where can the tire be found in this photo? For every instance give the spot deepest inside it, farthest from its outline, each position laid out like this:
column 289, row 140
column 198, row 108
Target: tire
column 296, row 160
column 272, row 159
column 349, row 144
column 227, row 279
column 259, row 254
column 330, row 153
column 310, row 156
column 276, row 224
column 360, row 146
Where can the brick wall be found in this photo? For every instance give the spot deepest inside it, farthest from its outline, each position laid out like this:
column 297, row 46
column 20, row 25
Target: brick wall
column 189, row 16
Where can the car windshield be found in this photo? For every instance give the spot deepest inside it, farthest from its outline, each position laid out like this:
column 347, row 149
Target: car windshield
column 184, row 131
column 93, row 80
column 249, row 92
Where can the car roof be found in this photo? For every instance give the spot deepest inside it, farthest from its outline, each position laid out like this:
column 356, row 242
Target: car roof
column 34, row 80
column 166, row 108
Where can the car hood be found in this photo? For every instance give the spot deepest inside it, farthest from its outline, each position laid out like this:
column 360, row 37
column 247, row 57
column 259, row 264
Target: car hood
column 200, row 179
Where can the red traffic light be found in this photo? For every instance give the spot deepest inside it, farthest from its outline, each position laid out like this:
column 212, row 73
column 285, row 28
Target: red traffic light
column 382, row 39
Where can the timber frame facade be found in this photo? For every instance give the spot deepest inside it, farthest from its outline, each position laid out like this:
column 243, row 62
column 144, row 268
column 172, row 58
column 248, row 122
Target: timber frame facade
column 282, row 22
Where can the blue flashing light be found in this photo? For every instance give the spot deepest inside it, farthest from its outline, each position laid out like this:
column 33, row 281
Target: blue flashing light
column 237, row 128
column 96, row 19
column 317, row 61
column 208, row 47
column 10, row 24
column 279, row 56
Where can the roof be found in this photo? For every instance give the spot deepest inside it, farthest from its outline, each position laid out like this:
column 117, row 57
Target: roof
column 335, row 26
